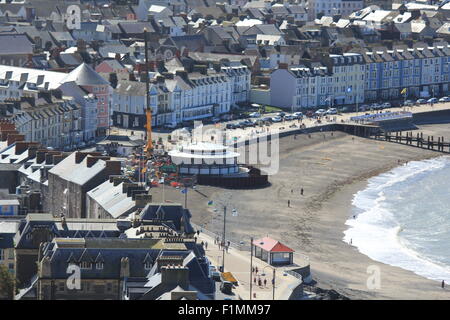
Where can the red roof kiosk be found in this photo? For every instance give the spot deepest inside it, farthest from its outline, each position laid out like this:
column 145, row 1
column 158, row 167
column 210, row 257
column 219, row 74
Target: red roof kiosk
column 272, row 251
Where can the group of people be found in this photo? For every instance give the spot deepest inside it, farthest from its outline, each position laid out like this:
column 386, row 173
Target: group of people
column 222, row 244
column 257, row 279
column 292, row 191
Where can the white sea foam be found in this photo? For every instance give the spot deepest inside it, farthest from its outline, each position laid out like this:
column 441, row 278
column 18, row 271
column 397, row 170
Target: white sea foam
column 402, row 218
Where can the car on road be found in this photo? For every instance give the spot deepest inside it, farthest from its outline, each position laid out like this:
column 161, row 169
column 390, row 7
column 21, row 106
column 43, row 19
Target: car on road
column 289, row 117
column 408, row 103
column 214, row 273
column 421, row 101
column 277, row 119
column 320, row 112
column 444, row 99
column 386, row 105
column 432, row 100
column 332, row 111
column 297, row 115
column 255, row 115
column 363, row 107
column 375, row 106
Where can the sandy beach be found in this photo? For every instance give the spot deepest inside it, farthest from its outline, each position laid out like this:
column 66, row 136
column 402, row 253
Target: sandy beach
column 330, row 169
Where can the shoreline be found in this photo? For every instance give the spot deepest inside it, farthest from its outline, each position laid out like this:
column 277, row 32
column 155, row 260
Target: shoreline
column 331, row 169
column 396, row 282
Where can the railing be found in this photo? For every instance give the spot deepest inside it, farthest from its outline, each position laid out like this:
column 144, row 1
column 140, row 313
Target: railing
column 215, row 235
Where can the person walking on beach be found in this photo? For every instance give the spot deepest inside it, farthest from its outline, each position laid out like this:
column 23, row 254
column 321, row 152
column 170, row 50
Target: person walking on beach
column 289, row 203
column 443, row 284
column 301, row 191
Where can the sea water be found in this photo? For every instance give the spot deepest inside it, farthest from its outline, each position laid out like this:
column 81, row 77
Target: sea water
column 402, row 218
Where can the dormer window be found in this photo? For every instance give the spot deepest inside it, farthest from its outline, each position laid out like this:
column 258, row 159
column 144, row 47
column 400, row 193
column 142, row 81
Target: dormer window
column 85, row 265
column 99, row 266
column 147, row 265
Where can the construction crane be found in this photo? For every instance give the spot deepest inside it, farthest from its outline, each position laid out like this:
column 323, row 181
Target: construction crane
column 148, row 149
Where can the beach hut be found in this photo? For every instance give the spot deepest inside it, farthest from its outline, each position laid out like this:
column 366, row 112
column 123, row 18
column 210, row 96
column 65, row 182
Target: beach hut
column 272, row 251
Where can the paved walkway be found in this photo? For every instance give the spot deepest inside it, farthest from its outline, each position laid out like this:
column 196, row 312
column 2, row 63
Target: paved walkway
column 238, row 263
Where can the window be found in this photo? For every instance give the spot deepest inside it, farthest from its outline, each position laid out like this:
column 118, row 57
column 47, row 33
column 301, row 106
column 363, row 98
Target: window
column 99, row 265
column 148, row 265
column 85, row 265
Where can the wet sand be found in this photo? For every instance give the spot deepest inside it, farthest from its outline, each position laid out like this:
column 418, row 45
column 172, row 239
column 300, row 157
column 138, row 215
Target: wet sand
column 330, row 169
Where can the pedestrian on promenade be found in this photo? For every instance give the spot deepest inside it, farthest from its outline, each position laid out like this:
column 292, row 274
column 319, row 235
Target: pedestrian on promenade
column 259, row 282
column 301, row 191
column 203, row 244
column 256, row 270
column 265, row 282
column 198, row 232
column 206, row 245
column 254, row 280
column 228, row 243
column 289, row 203
column 292, row 190
column 443, row 284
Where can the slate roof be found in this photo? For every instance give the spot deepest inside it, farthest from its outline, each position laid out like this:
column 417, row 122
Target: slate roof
column 16, row 44
column 169, row 212
column 84, row 75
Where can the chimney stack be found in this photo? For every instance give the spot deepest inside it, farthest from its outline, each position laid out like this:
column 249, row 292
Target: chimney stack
column 21, row 146
column 14, row 138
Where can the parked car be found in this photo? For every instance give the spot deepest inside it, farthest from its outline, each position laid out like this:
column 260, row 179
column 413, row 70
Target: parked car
column 289, row 117
column 231, row 126
column 255, row 115
column 408, row 103
column 170, row 125
column 280, row 114
column 320, row 112
column 214, row 273
column 226, row 287
column 375, row 106
column 421, row 101
column 386, row 105
column 444, row 99
column 267, row 119
column 363, row 107
column 297, row 115
column 277, row 119
column 215, row 120
column 249, row 123
column 432, row 100
column 331, row 111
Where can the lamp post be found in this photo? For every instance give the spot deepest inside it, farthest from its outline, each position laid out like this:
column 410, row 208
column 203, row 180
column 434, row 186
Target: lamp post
column 251, row 266
column 273, row 280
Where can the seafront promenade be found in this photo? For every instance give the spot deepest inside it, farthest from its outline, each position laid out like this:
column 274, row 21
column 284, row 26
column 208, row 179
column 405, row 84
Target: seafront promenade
column 238, row 263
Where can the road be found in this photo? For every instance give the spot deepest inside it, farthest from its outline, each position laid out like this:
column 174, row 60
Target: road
column 235, row 135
